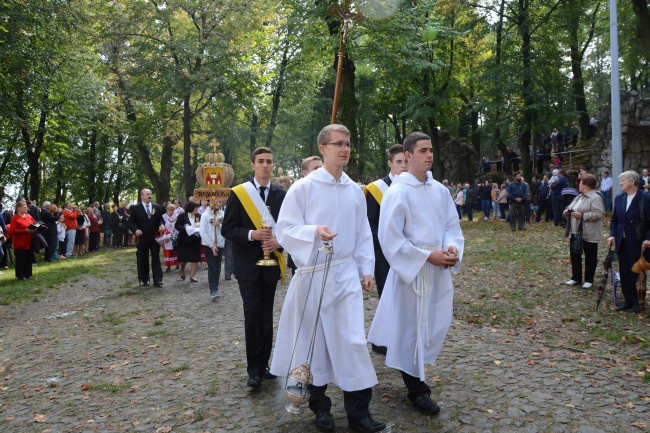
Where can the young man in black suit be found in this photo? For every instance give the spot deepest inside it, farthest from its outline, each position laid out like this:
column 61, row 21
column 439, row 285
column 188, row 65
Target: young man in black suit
column 144, row 221
column 374, row 193
column 257, row 284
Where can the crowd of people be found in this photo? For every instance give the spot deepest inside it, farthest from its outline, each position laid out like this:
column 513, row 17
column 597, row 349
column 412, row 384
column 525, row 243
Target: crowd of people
column 543, row 198
column 72, row 231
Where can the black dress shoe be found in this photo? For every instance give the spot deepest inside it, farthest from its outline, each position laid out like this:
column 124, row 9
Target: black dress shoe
column 145, row 284
column 268, row 375
column 636, row 309
column 324, row 421
column 254, row 381
column 366, row 425
column 623, row 308
column 158, row 284
column 379, row 349
column 424, row 404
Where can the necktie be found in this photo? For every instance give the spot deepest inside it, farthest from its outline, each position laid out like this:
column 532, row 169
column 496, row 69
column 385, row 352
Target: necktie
column 148, row 211
column 262, row 189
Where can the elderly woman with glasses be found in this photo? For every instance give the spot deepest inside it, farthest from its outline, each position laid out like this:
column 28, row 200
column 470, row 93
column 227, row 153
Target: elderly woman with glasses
column 585, row 214
column 628, row 229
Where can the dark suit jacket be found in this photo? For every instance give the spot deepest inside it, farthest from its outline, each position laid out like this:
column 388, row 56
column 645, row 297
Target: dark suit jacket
column 235, row 227
column 50, row 219
column 373, row 210
column 182, row 220
column 626, row 222
column 139, row 220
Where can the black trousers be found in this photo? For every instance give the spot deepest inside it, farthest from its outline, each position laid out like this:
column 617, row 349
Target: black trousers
column 356, row 403
column 591, row 261
column 258, row 296
column 415, row 386
column 381, row 273
column 504, row 210
column 93, row 241
column 517, row 214
column 117, row 236
column 23, row 263
column 52, row 243
column 541, row 207
column 143, row 250
column 628, row 278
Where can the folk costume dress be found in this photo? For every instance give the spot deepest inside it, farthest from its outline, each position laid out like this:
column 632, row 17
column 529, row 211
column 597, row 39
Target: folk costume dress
column 340, row 352
column 415, row 310
column 170, row 254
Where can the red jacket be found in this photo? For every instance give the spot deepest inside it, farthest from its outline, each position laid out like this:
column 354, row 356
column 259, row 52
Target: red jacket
column 94, row 223
column 21, row 239
column 70, row 219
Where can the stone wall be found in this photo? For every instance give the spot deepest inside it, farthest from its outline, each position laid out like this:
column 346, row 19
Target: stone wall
column 635, row 129
column 458, row 157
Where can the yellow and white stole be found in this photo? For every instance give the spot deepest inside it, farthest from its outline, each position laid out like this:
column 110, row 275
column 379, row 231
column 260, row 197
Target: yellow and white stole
column 377, row 189
column 254, row 206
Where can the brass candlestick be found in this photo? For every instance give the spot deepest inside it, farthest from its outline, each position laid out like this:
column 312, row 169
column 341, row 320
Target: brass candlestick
column 266, row 260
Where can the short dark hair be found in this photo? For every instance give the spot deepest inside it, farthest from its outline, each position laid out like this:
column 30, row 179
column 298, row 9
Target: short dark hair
column 260, row 150
column 589, row 180
column 394, row 150
column 190, row 206
column 412, row 138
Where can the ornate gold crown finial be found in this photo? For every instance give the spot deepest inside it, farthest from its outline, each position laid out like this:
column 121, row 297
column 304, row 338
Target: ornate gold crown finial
column 214, row 157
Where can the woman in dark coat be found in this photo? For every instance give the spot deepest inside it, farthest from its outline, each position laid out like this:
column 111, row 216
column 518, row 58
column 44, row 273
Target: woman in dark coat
column 189, row 240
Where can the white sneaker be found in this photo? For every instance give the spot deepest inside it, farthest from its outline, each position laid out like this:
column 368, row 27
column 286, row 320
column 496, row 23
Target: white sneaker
column 571, row 283
column 587, row 285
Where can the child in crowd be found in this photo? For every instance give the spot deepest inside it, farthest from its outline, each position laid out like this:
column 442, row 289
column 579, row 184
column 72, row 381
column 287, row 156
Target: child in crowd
column 60, row 236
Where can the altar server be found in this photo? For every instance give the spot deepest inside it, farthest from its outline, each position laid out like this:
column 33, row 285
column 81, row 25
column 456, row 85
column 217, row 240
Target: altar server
column 421, row 238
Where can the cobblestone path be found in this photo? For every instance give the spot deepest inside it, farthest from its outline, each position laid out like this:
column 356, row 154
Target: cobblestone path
column 108, row 356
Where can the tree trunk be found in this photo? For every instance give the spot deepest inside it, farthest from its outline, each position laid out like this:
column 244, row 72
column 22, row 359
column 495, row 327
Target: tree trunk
column 398, row 134
column 92, row 169
column 277, row 95
column 507, row 166
column 118, row 169
column 187, row 147
column 252, row 137
column 643, row 25
column 164, row 187
column 527, row 91
column 348, row 114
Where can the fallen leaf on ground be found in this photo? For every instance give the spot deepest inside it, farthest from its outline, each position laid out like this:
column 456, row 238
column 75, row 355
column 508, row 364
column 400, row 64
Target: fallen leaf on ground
column 39, row 418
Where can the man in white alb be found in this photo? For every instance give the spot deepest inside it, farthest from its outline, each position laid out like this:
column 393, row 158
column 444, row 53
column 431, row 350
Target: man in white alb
column 420, row 236
column 328, row 206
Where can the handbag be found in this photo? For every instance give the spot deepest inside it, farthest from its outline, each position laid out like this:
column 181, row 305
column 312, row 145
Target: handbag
column 163, row 237
column 578, row 242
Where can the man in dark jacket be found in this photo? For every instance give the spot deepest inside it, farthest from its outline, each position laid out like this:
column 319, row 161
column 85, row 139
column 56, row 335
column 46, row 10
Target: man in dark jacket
column 542, row 199
column 556, row 198
column 50, row 215
column 518, row 193
column 485, row 195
